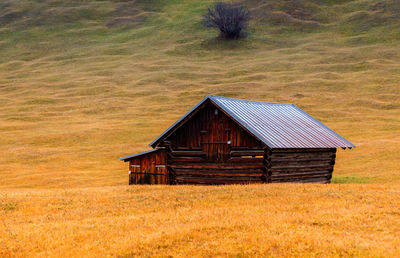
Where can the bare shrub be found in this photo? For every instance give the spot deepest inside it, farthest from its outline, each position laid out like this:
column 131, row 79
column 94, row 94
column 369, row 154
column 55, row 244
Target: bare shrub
column 229, row 18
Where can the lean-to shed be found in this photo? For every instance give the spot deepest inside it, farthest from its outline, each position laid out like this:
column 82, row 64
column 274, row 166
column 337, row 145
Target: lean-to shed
column 225, row 141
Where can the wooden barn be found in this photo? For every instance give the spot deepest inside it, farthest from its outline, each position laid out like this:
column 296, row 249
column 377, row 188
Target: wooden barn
column 231, row 141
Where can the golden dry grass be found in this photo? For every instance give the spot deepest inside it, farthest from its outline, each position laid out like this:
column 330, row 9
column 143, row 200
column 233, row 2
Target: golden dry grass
column 255, row 220
column 75, row 95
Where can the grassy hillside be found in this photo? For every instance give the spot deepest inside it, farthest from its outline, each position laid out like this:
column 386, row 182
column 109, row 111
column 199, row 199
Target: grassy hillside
column 85, row 82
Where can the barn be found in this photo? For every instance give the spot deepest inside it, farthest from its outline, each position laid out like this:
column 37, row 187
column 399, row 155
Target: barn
column 224, row 140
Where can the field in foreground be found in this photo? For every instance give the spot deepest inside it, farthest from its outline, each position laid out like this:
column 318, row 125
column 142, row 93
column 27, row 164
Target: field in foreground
column 279, row 220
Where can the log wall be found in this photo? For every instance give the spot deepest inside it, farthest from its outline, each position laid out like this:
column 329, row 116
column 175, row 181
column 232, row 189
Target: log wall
column 192, row 167
column 211, row 148
column 300, row 165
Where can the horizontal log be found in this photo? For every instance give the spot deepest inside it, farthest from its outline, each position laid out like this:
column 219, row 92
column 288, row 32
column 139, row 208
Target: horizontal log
column 300, row 176
column 222, row 170
column 303, row 150
column 302, row 159
column 291, row 178
column 302, row 155
column 219, row 172
column 185, row 149
column 186, row 159
column 218, row 165
column 298, row 170
column 149, row 173
column 294, row 179
column 307, row 163
column 309, row 180
column 231, row 178
column 200, row 180
column 187, row 153
column 245, row 160
column 247, row 153
column 322, row 173
column 277, row 167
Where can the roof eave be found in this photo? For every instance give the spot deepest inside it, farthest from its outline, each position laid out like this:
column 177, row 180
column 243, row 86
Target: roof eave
column 127, row 158
column 350, row 145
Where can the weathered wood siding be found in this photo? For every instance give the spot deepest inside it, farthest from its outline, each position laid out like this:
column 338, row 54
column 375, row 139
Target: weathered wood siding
column 211, row 148
column 300, row 165
column 149, row 169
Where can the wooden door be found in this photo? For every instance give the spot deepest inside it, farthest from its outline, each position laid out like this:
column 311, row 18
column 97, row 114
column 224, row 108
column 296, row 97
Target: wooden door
column 160, row 175
column 135, row 175
column 216, row 138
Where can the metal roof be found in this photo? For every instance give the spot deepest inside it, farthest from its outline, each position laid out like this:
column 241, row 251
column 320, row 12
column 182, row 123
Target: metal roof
column 138, row 154
column 278, row 125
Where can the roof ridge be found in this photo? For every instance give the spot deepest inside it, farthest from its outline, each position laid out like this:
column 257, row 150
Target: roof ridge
column 249, row 101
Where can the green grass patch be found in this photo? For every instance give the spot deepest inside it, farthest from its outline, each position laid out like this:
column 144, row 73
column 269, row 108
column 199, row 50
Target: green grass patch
column 350, row 179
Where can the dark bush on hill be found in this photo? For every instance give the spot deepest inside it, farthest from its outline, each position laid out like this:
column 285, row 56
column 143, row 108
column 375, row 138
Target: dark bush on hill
column 230, row 19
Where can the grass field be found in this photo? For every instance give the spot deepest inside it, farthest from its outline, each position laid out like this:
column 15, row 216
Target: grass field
column 258, row 220
column 85, row 82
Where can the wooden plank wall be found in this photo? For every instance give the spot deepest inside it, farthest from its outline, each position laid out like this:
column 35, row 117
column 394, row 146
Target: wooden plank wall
column 206, row 126
column 212, row 149
column 149, row 169
column 300, row 165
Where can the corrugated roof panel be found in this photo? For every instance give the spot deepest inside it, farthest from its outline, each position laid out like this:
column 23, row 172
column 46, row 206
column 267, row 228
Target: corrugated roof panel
column 280, row 125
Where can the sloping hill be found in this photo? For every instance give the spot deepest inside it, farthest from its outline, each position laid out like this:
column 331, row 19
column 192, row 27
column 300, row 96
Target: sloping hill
column 84, row 82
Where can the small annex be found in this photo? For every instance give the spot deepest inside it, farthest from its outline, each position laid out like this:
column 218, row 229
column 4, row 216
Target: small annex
column 232, row 141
